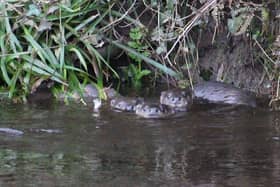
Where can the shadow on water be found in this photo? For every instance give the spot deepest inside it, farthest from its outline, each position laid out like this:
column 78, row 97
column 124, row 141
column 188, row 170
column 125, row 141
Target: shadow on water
column 70, row 146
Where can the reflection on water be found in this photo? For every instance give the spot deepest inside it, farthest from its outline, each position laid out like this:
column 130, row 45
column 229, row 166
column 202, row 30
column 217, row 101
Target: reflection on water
column 70, row 146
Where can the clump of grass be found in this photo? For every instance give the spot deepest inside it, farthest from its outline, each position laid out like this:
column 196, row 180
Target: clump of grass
column 50, row 42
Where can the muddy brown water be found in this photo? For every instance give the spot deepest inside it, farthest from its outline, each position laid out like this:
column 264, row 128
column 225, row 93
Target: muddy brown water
column 69, row 145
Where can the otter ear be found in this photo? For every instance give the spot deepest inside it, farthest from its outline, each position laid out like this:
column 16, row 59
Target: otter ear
column 162, row 96
column 184, row 93
column 163, row 93
column 113, row 101
column 138, row 106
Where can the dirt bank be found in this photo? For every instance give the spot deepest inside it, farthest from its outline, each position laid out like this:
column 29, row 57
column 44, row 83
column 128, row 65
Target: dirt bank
column 231, row 60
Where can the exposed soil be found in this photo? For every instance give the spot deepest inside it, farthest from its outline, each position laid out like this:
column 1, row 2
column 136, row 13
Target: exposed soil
column 232, row 61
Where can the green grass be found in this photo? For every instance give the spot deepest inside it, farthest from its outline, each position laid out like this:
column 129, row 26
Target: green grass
column 58, row 53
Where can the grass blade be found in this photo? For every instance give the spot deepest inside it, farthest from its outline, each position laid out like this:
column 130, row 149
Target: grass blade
column 101, row 59
column 51, row 56
column 80, row 56
column 3, row 61
column 163, row 68
column 36, row 46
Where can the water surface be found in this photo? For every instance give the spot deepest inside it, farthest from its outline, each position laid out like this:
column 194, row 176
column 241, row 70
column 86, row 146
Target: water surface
column 69, row 145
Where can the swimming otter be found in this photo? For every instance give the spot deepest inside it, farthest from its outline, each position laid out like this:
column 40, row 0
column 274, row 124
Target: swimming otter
column 211, row 92
column 153, row 110
column 126, row 104
column 221, row 93
column 180, row 100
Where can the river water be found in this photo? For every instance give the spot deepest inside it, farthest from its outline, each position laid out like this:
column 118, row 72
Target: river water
column 70, row 145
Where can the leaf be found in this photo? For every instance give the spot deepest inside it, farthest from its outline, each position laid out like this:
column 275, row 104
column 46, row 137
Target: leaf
column 161, row 67
column 80, row 56
column 13, row 82
column 143, row 73
column 40, row 71
column 82, row 25
column 3, row 61
column 41, row 67
column 33, row 10
column 12, row 38
column 100, row 58
column 52, row 58
column 29, row 22
column 132, row 69
column 133, row 44
column 67, row 9
column 52, row 9
column 135, row 34
column 40, row 51
column 161, row 49
column 73, row 81
column 44, row 25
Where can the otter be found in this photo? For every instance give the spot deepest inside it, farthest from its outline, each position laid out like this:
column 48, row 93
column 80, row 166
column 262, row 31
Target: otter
column 180, row 100
column 209, row 92
column 153, row 110
column 221, row 93
column 126, row 104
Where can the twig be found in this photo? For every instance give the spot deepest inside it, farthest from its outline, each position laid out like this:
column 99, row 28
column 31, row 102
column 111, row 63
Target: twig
column 190, row 24
column 123, row 16
column 267, row 56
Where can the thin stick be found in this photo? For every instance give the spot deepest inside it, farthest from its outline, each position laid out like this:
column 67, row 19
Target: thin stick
column 190, row 24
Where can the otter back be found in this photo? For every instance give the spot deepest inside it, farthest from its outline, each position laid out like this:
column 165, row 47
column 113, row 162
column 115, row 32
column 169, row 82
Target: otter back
column 221, row 93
